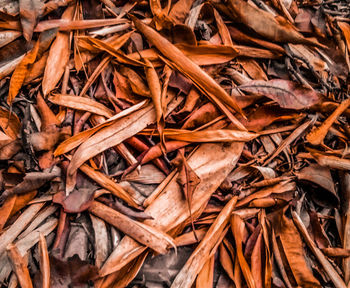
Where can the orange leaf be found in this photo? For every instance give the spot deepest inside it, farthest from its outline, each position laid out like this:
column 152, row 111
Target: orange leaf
column 20, row 73
column 58, row 57
column 214, row 91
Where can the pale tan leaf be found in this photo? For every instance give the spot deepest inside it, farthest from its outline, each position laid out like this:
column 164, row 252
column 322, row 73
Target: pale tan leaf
column 146, row 235
column 81, row 103
column 212, row 163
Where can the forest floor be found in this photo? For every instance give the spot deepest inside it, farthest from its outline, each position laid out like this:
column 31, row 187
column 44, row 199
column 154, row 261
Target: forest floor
column 175, row 143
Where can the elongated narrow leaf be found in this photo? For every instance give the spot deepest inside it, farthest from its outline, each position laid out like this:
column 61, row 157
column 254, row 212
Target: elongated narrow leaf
column 212, row 163
column 81, row 103
column 107, row 137
column 68, row 24
column 114, row 52
column 151, row 237
column 58, row 57
column 202, row 79
column 156, row 94
column 200, row 256
column 79, row 138
column 224, row 135
column 21, row 72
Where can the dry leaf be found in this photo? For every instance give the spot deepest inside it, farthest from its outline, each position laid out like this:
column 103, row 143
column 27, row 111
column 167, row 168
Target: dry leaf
column 20, row 73
column 58, row 57
column 287, row 94
column 273, row 28
column 204, row 250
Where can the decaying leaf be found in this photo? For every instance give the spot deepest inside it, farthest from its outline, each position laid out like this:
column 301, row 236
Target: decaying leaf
column 286, row 93
column 218, row 128
column 31, row 182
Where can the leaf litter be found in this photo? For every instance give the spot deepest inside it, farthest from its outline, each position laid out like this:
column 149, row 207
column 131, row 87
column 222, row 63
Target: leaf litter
column 174, row 143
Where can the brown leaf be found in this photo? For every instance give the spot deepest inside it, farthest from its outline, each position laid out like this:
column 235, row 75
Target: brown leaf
column 345, row 28
column 331, row 272
column 144, row 234
column 44, row 262
column 28, row 11
column 58, row 57
column 187, row 179
column 5, row 210
column 331, row 161
column 238, row 35
column 137, row 84
column 77, row 201
column 282, row 187
column 277, row 29
column 237, row 227
column 156, row 94
column 265, row 115
column 160, row 16
column 226, row 260
column 215, row 92
column 321, row 176
column 203, row 55
column 8, row 36
column 120, row 57
column 19, row 265
column 205, row 249
column 286, row 93
column 257, row 263
column 107, row 183
column 46, row 140
column 31, row 182
column 180, row 10
column 9, row 123
column 336, row 252
column 219, row 159
column 20, row 73
column 219, row 135
column 79, row 138
column 81, row 103
column 189, row 238
column 205, row 277
column 69, row 24
column 71, row 272
column 156, row 151
column 201, row 116
column 48, row 118
column 12, row 205
column 292, row 246
column 107, row 137
column 316, row 136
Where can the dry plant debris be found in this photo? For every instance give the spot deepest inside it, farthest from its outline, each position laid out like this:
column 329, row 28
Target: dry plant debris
column 178, row 143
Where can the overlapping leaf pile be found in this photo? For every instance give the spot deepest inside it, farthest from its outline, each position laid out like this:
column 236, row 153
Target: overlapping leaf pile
column 130, row 129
